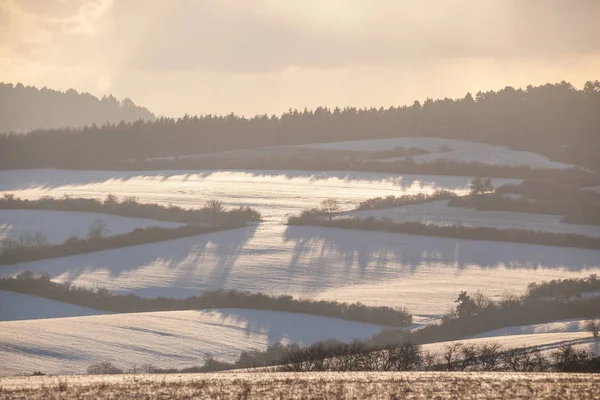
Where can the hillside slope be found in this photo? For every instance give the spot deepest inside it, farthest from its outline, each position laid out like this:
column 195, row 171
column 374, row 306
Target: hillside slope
column 171, row 339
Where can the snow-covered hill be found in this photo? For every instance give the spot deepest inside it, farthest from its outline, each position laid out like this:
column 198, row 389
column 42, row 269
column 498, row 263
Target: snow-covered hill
column 173, row 339
column 424, row 274
column 447, row 149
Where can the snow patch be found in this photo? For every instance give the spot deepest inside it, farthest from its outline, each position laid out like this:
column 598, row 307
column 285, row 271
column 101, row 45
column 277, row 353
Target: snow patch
column 462, row 151
column 18, row 306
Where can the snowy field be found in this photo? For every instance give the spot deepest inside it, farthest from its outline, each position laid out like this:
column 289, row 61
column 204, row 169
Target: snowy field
column 275, row 193
column 172, row 339
column 563, row 326
column 60, row 225
column 424, row 274
column 438, row 213
column 546, row 342
column 447, row 149
column 18, row 306
column 547, row 336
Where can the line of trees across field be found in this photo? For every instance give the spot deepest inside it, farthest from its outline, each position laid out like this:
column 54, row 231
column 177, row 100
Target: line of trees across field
column 358, row 356
column 557, row 120
column 538, row 197
column 404, row 200
column 213, row 211
column 315, row 217
column 17, row 251
column 564, row 288
column 101, row 299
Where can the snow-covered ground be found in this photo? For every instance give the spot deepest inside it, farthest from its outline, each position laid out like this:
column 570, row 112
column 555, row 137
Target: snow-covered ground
column 275, row 193
column 173, row 339
column 447, row 149
column 424, row 274
column 568, row 325
column 547, row 342
column 18, row 306
column 438, row 213
column 546, row 336
column 60, row 225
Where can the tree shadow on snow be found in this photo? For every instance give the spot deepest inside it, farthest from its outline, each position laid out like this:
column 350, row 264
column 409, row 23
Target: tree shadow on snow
column 367, row 250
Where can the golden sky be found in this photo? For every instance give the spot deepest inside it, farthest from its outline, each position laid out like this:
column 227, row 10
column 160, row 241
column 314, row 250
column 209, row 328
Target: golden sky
column 265, row 56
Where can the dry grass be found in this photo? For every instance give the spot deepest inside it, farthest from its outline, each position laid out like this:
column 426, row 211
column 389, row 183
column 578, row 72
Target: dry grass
column 404, row 385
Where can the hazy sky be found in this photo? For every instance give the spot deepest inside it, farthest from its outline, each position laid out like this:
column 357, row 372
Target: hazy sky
column 257, row 56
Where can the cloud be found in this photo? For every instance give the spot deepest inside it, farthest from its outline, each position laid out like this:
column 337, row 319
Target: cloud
column 265, row 36
column 215, row 56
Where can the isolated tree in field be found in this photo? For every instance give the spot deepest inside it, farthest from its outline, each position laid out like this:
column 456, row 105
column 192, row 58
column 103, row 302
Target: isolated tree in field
column 330, row 207
column 215, row 208
column 97, row 230
column 466, row 305
column 481, row 186
column 593, row 326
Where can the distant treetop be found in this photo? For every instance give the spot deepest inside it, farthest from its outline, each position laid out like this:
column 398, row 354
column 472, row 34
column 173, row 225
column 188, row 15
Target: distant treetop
column 26, row 108
column 556, row 120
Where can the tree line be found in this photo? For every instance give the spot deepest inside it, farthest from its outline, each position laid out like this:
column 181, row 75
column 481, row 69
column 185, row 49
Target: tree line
column 212, row 217
column 557, row 120
column 213, row 211
column 102, row 299
column 563, row 288
column 314, row 217
column 14, row 251
column 358, row 356
column 25, row 108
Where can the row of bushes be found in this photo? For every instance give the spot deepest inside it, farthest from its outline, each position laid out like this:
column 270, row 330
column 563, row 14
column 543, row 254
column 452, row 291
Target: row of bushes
column 212, row 212
column 576, row 210
column 358, row 356
column 102, row 299
column 408, row 356
column 404, row 200
column 453, row 231
column 12, row 254
column 563, row 288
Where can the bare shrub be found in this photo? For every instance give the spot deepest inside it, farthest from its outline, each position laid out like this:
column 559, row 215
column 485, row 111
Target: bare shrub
column 103, row 368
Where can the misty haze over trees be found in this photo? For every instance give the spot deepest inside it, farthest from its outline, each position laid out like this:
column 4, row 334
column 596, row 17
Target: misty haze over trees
column 556, row 120
column 25, row 108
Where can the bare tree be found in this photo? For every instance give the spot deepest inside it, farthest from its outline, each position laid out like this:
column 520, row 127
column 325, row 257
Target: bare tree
column 593, row 326
column 111, row 200
column 103, row 368
column 97, row 230
column 330, row 207
column 215, row 208
column 481, row 186
column 450, row 355
column 489, row 356
column 39, row 239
